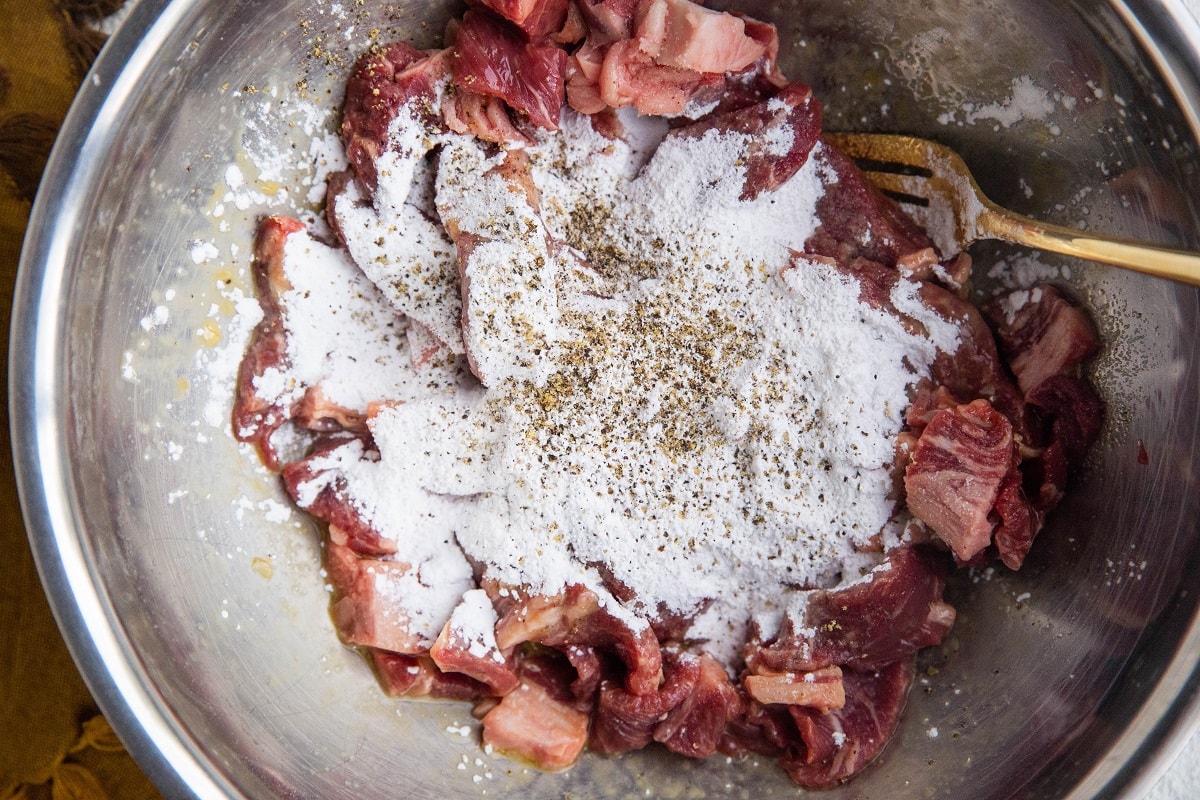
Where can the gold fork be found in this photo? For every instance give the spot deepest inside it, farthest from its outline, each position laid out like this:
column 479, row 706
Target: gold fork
column 952, row 194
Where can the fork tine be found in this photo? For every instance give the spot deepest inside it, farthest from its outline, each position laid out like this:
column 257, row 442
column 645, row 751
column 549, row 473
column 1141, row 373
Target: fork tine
column 905, row 188
column 907, row 151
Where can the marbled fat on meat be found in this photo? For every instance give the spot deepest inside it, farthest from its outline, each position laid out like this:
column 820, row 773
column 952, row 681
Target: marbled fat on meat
column 961, row 459
column 1042, row 334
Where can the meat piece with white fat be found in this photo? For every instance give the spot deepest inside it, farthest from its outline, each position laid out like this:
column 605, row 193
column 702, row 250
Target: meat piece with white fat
column 960, row 462
column 576, row 617
column 841, row 742
column 1041, row 334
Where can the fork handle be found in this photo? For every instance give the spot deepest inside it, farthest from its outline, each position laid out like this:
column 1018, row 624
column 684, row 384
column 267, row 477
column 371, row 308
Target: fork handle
column 1162, row 262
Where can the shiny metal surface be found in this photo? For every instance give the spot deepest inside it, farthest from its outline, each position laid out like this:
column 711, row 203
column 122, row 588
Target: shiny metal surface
column 1075, row 678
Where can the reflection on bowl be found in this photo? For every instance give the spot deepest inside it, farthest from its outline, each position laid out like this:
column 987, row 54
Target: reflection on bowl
column 189, row 590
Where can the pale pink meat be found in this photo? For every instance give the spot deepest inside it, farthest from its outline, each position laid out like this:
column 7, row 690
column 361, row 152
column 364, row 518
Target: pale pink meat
column 659, row 55
column 608, row 20
column 480, row 115
column 630, row 77
column 820, row 689
column 531, row 725
column 537, row 18
column 362, row 611
column 679, row 33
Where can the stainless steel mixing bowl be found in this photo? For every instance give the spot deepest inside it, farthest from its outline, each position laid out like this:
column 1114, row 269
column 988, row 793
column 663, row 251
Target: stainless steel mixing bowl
column 191, row 598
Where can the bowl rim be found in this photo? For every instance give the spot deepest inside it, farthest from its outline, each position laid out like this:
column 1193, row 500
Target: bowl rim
column 1167, row 30
column 93, row 634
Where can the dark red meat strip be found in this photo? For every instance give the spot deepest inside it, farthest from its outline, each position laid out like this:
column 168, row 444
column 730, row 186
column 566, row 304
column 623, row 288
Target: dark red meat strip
column 492, row 58
column 868, row 623
column 1020, row 521
column 382, row 82
column 694, row 727
column 842, row 742
column 1075, row 412
column 626, row 721
column 1043, row 336
column 793, row 109
column 858, row 221
column 254, row 419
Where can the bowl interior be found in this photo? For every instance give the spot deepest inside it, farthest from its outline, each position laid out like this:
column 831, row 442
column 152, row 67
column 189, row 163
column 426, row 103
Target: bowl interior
column 200, row 587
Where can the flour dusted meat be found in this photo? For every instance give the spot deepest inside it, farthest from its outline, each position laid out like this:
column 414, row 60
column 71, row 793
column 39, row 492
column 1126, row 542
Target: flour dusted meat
column 467, row 644
column 321, row 320
column 503, row 252
column 255, row 417
column 792, row 117
column 644, row 431
column 382, row 82
column 363, row 610
column 894, row 611
column 319, row 487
